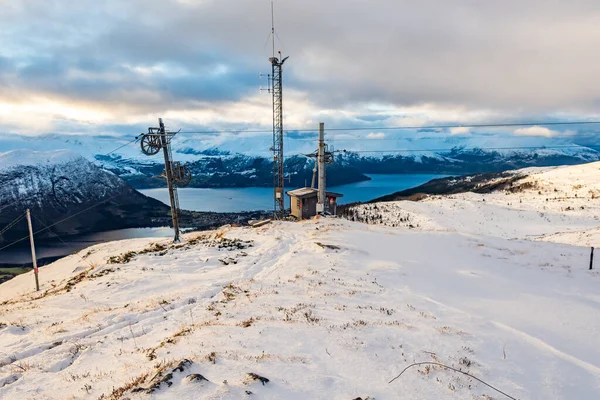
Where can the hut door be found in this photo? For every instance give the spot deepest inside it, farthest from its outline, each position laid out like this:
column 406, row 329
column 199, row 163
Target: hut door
column 332, row 206
column 305, row 208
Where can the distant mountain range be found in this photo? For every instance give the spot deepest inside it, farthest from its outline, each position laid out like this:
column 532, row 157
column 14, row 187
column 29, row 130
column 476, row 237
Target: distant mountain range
column 246, row 161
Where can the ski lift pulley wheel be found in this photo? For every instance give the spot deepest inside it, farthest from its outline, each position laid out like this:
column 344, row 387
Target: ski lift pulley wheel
column 183, row 176
column 150, row 145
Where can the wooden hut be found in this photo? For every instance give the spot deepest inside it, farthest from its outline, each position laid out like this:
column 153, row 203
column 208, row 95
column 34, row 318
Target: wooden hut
column 303, row 202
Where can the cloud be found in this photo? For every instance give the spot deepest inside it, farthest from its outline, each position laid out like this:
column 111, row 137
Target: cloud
column 535, row 131
column 378, row 135
column 128, row 61
column 460, row 131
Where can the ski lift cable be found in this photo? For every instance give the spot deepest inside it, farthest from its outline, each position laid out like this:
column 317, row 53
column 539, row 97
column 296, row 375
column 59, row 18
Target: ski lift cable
column 413, row 127
column 59, row 238
column 447, row 149
column 62, row 220
column 11, row 224
column 120, row 147
column 499, row 125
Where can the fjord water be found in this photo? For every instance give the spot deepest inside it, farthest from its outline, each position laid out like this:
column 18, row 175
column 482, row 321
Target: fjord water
column 261, row 198
column 216, row 200
column 50, row 250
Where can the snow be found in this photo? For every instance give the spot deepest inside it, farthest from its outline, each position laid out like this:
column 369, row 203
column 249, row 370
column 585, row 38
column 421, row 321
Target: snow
column 19, row 158
column 326, row 308
column 257, row 145
column 558, row 204
column 46, row 178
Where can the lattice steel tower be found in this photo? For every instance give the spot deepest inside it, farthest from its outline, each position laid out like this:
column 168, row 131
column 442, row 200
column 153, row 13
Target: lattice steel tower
column 278, row 177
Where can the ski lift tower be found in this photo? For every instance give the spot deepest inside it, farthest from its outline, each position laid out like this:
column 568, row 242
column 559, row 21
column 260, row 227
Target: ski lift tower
column 177, row 175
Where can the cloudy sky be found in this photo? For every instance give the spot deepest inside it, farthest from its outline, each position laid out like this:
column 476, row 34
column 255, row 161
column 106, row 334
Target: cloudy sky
column 114, row 66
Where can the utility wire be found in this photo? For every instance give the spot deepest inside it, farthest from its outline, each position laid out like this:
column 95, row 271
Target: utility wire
column 61, row 221
column 498, row 125
column 6, row 206
column 455, row 370
column 59, row 238
column 120, row 147
column 462, row 148
column 13, row 223
column 450, row 149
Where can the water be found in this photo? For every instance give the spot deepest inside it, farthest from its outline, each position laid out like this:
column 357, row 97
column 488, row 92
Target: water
column 218, row 200
column 52, row 250
column 258, row 198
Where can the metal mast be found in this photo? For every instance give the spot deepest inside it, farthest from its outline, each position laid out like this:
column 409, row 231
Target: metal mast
column 278, row 177
column 322, row 194
column 175, row 173
column 323, row 156
column 276, row 89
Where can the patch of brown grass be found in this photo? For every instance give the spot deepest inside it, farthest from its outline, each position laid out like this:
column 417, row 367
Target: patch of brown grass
column 118, row 393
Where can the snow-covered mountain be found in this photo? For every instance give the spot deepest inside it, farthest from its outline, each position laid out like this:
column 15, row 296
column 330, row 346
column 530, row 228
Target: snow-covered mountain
column 54, row 179
column 493, row 285
column 58, row 184
column 218, row 161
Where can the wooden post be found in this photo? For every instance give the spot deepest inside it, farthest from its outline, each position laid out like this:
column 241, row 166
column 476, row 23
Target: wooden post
column 592, row 259
column 33, row 257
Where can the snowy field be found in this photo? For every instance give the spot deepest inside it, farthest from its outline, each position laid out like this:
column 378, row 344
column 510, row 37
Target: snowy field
column 327, row 309
column 557, row 204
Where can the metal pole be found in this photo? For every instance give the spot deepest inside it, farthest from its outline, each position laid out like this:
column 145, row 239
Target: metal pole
column 169, row 175
column 321, row 200
column 33, row 256
column 273, row 28
column 592, row 259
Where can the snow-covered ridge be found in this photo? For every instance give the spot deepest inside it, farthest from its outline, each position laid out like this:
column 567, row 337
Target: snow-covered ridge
column 190, row 147
column 24, row 157
column 559, row 204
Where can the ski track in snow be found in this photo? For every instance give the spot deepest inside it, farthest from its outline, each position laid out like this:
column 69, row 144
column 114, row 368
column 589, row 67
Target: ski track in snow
column 467, row 286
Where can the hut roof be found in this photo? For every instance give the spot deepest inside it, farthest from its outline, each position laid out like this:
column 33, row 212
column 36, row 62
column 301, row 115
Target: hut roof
column 307, row 192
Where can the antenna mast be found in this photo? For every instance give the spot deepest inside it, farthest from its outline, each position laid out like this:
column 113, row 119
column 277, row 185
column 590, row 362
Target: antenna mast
column 273, row 28
column 276, row 89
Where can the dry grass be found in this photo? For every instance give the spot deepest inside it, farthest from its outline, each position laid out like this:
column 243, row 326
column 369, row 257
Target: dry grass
column 247, row 323
column 118, row 393
column 22, row 366
column 183, row 331
column 212, row 357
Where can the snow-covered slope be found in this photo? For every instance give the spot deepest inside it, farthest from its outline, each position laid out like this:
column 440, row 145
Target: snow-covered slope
column 59, row 184
column 60, row 176
column 323, row 309
column 27, row 158
column 559, row 204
